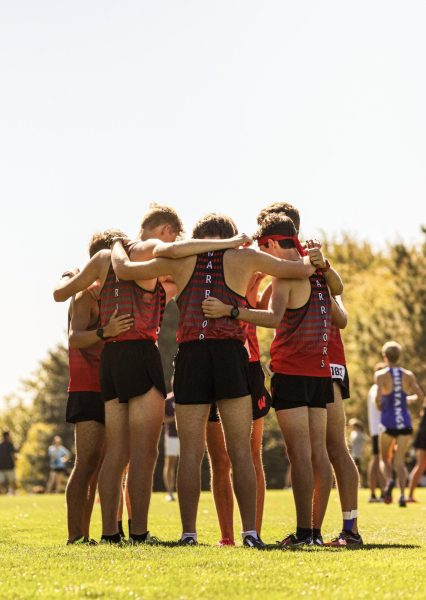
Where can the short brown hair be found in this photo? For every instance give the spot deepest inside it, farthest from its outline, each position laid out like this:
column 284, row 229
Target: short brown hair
column 160, row 214
column 281, row 208
column 214, row 225
column 392, row 351
column 101, row 240
column 277, row 224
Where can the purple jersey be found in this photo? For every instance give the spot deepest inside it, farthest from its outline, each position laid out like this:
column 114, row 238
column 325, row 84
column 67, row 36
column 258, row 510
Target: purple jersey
column 395, row 414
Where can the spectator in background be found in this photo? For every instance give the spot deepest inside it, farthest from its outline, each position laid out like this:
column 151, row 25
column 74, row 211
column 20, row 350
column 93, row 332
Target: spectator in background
column 171, row 447
column 420, row 447
column 58, row 457
column 7, row 464
column 375, row 477
column 356, row 441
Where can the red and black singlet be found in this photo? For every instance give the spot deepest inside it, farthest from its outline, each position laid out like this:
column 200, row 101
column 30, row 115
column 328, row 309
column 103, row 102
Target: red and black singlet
column 300, row 346
column 84, row 366
column 252, row 343
column 336, row 351
column 146, row 307
column 208, row 279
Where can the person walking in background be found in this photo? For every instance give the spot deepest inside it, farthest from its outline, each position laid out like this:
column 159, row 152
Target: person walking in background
column 58, row 457
column 395, row 386
column 420, row 447
column 375, row 477
column 171, row 447
column 7, row 464
column 356, row 441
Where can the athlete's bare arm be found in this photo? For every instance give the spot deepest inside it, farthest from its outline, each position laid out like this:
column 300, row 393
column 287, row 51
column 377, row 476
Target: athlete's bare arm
column 339, row 316
column 127, row 269
column 184, row 248
column 96, row 268
column 413, row 389
column 83, row 317
column 265, row 296
column 281, row 288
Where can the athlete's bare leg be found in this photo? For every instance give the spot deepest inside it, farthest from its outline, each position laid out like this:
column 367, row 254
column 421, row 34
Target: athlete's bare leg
column 50, row 482
column 116, row 458
column 256, row 452
column 294, row 423
column 375, row 477
column 221, row 483
column 146, row 416
column 417, row 472
column 399, row 461
column 169, row 473
column 386, row 445
column 80, row 492
column 347, row 476
column 236, row 415
column 191, row 422
column 323, row 477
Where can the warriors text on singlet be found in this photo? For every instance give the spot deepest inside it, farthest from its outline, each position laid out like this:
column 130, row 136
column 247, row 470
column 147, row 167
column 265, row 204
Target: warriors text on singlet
column 395, row 413
column 146, row 307
column 300, row 346
column 208, row 279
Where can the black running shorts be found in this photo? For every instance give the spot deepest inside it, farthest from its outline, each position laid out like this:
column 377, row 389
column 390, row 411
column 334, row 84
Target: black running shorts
column 340, row 375
column 85, row 406
column 260, row 396
column 210, row 370
column 375, row 444
column 131, row 368
column 420, row 439
column 397, row 432
column 295, row 391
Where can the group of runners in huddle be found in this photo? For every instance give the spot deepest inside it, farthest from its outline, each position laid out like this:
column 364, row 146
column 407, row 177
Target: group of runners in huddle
column 117, row 387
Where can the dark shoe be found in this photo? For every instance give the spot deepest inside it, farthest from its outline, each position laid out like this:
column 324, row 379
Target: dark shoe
column 188, row 541
column 346, row 539
column 317, row 540
column 402, row 502
column 253, row 542
column 292, row 541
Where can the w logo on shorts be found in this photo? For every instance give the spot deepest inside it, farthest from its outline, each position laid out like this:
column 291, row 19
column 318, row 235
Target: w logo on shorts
column 261, row 403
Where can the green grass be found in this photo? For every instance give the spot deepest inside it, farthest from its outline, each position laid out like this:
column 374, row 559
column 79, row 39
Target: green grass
column 34, row 562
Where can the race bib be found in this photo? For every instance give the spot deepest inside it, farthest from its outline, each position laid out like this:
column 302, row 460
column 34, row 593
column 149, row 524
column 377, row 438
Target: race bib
column 337, row 371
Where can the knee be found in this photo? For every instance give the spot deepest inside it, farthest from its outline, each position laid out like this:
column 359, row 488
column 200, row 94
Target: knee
column 220, row 465
column 299, row 454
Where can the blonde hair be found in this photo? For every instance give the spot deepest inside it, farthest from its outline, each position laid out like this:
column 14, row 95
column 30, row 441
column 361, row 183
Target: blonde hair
column 160, row 214
column 392, row 351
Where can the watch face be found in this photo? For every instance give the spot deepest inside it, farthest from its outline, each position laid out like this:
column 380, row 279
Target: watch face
column 100, row 333
column 235, row 312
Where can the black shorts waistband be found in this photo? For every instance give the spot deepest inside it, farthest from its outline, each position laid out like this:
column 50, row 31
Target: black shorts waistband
column 209, row 341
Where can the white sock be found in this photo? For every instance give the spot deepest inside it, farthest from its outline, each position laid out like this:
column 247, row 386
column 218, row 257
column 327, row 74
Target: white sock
column 252, row 533
column 189, row 535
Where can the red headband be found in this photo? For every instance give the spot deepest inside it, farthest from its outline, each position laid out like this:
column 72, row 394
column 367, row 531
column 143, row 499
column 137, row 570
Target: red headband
column 264, row 240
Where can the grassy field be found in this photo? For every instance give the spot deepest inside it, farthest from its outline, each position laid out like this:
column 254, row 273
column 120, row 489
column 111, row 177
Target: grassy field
column 34, row 561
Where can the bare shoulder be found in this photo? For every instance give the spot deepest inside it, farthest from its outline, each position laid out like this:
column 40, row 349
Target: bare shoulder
column 244, row 255
column 380, row 374
column 143, row 250
column 408, row 373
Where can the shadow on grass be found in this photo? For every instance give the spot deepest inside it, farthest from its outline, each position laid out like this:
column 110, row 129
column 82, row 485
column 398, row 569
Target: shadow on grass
column 337, row 548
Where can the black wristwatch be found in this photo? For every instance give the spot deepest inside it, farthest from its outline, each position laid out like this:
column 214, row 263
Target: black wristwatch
column 235, row 312
column 100, row 333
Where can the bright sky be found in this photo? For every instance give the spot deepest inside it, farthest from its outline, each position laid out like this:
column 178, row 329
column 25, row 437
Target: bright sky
column 221, row 105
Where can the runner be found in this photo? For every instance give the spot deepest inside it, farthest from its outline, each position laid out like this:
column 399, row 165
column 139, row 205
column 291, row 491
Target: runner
column 7, row 464
column 212, row 363
column 395, row 385
column 301, row 385
column 171, row 447
column 58, row 458
column 85, row 407
column 375, row 477
column 420, row 446
column 219, row 460
column 132, row 377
